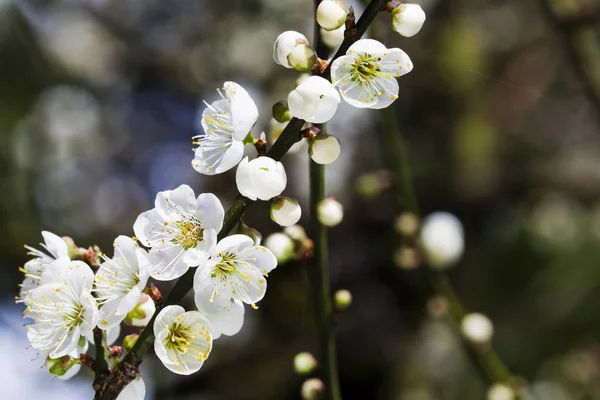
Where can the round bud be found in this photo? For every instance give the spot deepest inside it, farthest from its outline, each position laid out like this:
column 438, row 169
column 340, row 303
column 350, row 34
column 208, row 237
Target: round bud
column 442, row 240
column 281, row 113
column 406, row 224
column 314, row 100
column 284, row 45
column 64, row 367
column 304, row 363
column 129, row 341
column 302, row 57
column 331, row 14
column 342, row 299
column 406, row 258
column 333, row 39
column 296, row 232
column 408, row 19
column 477, row 328
column 281, row 246
column 141, row 314
column 324, row 149
column 312, row 389
column 285, row 211
column 500, row 391
column 330, row 212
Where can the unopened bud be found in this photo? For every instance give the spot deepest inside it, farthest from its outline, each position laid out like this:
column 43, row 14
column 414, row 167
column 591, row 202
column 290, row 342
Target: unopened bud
column 312, row 389
column 406, row 224
column 285, row 211
column 129, row 341
column 74, row 251
column 142, row 313
column 296, row 232
column 314, row 100
column 406, row 258
column 281, row 113
column 477, row 328
column 252, row 233
column 304, row 363
column 115, row 352
column 302, row 57
column 342, row 299
column 331, row 14
column 333, row 39
column 281, row 246
column 500, row 391
column 442, row 240
column 330, row 212
column 64, row 367
column 324, row 149
column 284, row 45
column 408, row 19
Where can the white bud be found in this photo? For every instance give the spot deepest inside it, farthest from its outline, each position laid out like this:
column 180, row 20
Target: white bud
column 442, row 239
column 408, row 19
column 302, row 57
column 284, row 45
column 500, row 391
column 333, row 39
column 301, row 78
column 281, row 246
column 304, row 363
column 285, row 211
column 477, row 328
column 296, row 232
column 331, row 14
column 142, row 313
column 262, row 178
column 314, row 100
column 63, row 368
column 330, row 212
column 324, row 150
column 312, row 389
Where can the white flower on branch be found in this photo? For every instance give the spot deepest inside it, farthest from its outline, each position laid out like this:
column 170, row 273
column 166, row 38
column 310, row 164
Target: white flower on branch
column 366, row 75
column 181, row 231
column 119, row 282
column 261, row 178
column 63, row 310
column 183, row 340
column 284, row 44
column 226, row 123
column 314, row 100
column 135, row 390
column 331, row 14
column 236, row 271
column 408, row 19
column 442, row 239
column 285, row 211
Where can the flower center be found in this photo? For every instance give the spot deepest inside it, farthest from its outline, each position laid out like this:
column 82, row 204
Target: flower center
column 190, row 233
column 75, row 316
column 365, row 67
column 226, row 267
column 179, row 338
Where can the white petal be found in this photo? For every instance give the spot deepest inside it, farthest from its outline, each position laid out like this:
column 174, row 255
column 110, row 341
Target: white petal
column 228, row 322
column 369, row 46
column 55, row 245
column 171, row 203
column 244, row 178
column 112, row 334
column 216, row 159
column 146, row 224
column 262, row 257
column 135, row 390
column 210, row 212
column 168, row 264
column 243, row 110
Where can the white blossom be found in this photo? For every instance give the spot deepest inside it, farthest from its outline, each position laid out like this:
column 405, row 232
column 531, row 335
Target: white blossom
column 304, row 363
column 226, row 123
column 236, row 271
column 408, row 19
column 331, row 14
column 63, row 310
column 281, row 245
column 314, row 100
column 366, row 75
column 135, row 390
column 119, row 282
column 261, row 178
column 333, row 39
column 180, row 231
column 477, row 328
column 330, row 212
column 442, row 239
column 183, row 340
column 324, row 149
column 285, row 211
column 500, row 391
column 285, row 43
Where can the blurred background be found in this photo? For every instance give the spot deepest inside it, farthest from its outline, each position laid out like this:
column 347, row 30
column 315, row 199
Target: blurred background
column 98, row 102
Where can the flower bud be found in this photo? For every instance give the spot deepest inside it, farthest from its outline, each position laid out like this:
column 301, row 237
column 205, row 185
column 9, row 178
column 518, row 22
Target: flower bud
column 261, row 178
column 281, row 246
column 406, row 258
column 312, row 389
column 252, row 233
column 304, row 363
column 331, row 14
column 442, row 239
column 477, row 328
column 142, row 313
column 324, row 149
column 408, row 19
column 333, row 39
column 129, row 341
column 330, row 212
column 64, row 367
column 500, row 391
column 285, row 211
column 302, row 57
column 406, row 224
column 314, row 100
column 342, row 299
column 284, row 45
column 281, row 113
column 296, row 232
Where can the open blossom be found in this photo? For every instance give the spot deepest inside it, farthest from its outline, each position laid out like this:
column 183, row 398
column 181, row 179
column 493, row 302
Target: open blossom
column 226, row 123
column 314, row 100
column 236, row 271
column 181, row 230
column 57, row 250
column 119, row 282
column 64, row 310
column 183, row 340
column 262, row 178
column 365, row 76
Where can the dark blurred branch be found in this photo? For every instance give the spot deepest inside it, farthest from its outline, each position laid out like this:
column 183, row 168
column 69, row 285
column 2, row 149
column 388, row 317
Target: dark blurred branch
column 580, row 46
